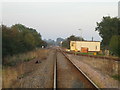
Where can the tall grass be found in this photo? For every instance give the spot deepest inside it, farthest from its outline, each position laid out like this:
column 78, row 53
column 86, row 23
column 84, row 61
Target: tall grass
column 22, row 65
column 24, row 57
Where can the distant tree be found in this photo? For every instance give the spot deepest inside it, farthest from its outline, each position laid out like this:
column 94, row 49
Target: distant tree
column 74, row 38
column 50, row 42
column 66, row 43
column 58, row 41
column 107, row 28
column 43, row 43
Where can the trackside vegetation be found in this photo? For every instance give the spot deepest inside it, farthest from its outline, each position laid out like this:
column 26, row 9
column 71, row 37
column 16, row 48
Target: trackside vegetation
column 19, row 39
column 109, row 30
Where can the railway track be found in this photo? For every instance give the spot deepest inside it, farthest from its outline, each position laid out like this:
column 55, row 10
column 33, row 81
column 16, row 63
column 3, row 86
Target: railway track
column 93, row 56
column 55, row 67
column 68, row 75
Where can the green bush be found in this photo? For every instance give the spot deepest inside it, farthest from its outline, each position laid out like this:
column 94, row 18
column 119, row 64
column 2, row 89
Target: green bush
column 117, row 77
column 115, row 45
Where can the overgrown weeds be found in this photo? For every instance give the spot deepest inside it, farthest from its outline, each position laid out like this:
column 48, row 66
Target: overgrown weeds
column 18, row 66
column 25, row 57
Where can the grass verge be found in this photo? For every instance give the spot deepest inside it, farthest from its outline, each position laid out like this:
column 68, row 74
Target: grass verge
column 117, row 77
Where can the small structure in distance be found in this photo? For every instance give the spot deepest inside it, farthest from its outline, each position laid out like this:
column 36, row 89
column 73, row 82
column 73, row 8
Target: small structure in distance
column 85, row 46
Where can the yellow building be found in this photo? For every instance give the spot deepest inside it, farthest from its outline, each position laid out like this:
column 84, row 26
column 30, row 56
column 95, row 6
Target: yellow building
column 91, row 46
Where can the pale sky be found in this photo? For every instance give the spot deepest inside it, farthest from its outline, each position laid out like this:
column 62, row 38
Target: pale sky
column 59, row 19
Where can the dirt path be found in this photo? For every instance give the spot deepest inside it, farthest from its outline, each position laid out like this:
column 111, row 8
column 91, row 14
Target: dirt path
column 68, row 76
column 42, row 77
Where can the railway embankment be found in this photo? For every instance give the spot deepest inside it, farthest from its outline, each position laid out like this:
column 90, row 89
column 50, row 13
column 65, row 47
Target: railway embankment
column 36, row 73
column 99, row 70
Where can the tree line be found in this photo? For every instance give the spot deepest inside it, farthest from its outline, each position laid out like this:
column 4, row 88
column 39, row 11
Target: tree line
column 19, row 38
column 109, row 30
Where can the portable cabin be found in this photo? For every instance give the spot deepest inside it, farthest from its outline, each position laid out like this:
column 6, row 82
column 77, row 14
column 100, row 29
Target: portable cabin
column 85, row 46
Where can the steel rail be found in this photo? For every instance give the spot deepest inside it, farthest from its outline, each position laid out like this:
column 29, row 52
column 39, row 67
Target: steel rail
column 55, row 72
column 81, row 71
column 93, row 56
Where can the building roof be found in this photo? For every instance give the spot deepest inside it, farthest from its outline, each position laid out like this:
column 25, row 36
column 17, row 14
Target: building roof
column 87, row 41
